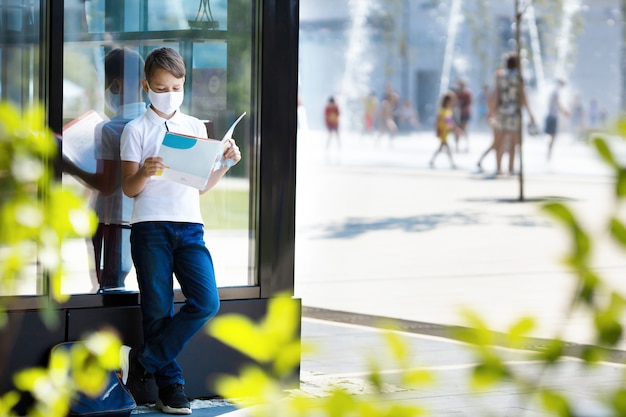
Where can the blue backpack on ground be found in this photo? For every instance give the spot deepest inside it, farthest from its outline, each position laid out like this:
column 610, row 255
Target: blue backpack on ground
column 114, row 401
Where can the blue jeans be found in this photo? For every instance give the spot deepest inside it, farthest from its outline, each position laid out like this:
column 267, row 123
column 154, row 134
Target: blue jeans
column 161, row 250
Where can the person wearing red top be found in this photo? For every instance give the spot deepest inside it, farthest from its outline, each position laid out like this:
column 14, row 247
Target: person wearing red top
column 331, row 118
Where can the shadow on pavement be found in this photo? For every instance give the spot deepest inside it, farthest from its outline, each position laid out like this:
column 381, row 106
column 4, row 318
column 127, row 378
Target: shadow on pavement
column 354, row 227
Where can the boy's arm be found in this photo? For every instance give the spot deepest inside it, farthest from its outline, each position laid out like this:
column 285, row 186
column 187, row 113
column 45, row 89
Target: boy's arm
column 215, row 177
column 232, row 152
column 135, row 176
column 92, row 180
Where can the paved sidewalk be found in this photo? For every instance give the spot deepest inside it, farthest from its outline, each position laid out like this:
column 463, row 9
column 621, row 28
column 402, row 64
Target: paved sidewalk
column 379, row 233
column 340, row 362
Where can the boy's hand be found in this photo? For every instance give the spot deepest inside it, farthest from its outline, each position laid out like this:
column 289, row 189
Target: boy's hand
column 232, row 151
column 153, row 166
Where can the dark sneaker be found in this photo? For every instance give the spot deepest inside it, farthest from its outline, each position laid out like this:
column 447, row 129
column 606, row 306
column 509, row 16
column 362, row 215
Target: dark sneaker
column 140, row 383
column 172, row 400
column 131, row 368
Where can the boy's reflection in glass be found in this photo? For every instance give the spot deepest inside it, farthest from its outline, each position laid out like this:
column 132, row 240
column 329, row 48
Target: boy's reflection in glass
column 124, row 101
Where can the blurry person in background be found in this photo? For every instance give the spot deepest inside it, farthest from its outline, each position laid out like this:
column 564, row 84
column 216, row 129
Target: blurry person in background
column 387, row 113
column 444, row 125
column 577, row 116
column 370, row 106
column 555, row 107
column 504, row 108
column 463, row 113
column 408, row 119
column 331, row 119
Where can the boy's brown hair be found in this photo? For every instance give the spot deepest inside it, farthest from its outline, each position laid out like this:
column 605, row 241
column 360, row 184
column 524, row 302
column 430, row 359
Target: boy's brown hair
column 167, row 59
column 121, row 64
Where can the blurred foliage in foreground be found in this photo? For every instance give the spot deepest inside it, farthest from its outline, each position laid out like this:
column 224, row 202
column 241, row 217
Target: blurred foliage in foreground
column 82, row 368
column 36, row 213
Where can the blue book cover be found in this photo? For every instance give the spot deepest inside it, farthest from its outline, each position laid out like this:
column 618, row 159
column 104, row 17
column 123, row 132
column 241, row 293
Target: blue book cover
column 189, row 160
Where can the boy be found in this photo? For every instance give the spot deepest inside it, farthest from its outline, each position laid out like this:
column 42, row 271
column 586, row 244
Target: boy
column 166, row 235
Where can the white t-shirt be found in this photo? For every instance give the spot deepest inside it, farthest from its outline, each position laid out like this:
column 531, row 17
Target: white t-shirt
column 115, row 208
column 161, row 199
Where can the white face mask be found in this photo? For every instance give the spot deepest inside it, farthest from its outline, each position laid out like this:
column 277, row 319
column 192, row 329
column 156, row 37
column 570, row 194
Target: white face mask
column 168, row 102
column 111, row 101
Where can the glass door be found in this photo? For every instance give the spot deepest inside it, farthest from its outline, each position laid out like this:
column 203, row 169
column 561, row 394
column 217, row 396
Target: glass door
column 216, row 40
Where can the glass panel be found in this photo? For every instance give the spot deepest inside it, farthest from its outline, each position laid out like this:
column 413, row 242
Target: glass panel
column 20, row 85
column 216, row 92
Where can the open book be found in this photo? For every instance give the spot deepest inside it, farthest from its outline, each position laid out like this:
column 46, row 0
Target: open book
column 78, row 140
column 190, row 160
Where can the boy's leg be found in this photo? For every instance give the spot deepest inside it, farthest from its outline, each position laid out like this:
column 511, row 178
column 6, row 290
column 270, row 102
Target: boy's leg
column 193, row 268
column 152, row 252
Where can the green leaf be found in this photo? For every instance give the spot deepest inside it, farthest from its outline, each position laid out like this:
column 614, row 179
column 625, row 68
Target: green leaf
column 618, row 230
column 417, row 377
column 520, row 330
column 560, row 212
column 7, row 402
column 556, row 403
column 242, row 334
column 592, row 354
column 253, row 386
column 620, row 187
column 340, row 404
column 607, row 322
column 604, row 151
column 618, row 401
column 488, row 373
column 478, row 332
column 553, row 351
column 582, row 244
column 397, row 346
column 275, row 337
column 620, row 126
column 288, row 359
column 581, row 241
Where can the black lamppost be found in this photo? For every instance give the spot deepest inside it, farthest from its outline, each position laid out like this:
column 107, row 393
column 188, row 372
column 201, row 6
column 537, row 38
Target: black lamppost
column 405, row 47
column 520, row 86
column 519, row 12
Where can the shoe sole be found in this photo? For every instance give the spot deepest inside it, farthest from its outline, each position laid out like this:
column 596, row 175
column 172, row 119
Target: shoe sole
column 125, row 362
column 170, row 410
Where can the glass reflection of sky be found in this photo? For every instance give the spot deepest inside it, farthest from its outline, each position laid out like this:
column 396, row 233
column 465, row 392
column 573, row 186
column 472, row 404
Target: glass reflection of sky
column 209, row 55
